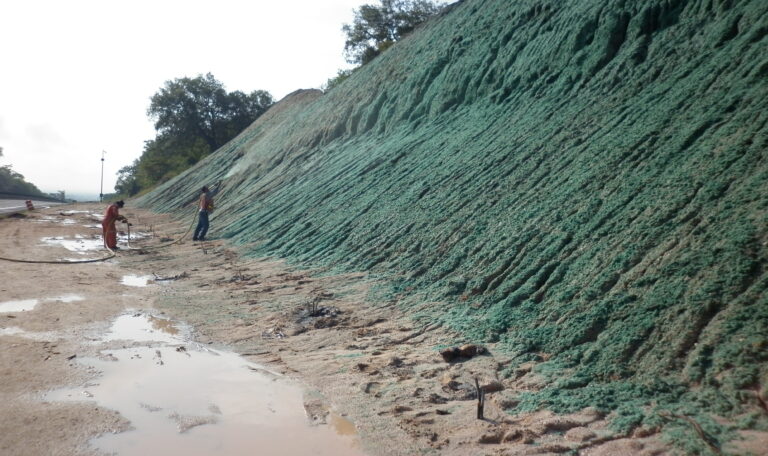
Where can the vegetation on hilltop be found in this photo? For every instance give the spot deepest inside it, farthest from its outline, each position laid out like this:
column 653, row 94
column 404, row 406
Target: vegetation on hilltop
column 377, row 27
column 193, row 117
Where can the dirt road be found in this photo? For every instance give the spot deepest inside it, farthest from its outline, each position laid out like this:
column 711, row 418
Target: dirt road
column 364, row 368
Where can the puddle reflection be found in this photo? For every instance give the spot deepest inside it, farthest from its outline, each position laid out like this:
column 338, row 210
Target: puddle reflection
column 29, row 304
column 144, row 328
column 184, row 398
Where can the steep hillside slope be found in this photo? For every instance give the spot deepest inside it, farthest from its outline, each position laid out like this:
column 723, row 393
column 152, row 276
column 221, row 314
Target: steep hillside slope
column 584, row 183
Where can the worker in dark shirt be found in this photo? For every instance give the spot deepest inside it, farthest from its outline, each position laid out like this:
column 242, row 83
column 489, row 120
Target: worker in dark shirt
column 205, row 207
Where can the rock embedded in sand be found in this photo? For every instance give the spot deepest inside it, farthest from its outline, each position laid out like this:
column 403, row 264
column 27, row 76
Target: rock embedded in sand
column 449, row 354
column 471, row 350
column 465, row 351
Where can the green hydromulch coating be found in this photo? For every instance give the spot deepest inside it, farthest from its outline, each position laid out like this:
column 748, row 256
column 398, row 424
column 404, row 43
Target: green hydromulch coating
column 582, row 179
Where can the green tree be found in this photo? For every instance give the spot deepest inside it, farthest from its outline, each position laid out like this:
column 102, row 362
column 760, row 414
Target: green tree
column 201, row 107
column 193, row 117
column 376, row 27
column 126, row 180
column 14, row 183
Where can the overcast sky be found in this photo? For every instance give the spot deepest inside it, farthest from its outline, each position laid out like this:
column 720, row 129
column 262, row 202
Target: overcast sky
column 77, row 75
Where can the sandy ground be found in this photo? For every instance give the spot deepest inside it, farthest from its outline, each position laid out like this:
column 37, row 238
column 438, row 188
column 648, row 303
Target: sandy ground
column 359, row 359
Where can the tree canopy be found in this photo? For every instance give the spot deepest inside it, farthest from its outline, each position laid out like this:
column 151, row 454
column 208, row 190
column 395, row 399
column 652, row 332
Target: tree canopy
column 376, row 27
column 193, row 117
column 14, row 183
column 201, row 107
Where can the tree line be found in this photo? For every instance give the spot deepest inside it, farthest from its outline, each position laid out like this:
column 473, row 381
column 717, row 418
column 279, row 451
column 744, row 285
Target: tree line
column 192, row 117
column 12, row 182
column 195, row 116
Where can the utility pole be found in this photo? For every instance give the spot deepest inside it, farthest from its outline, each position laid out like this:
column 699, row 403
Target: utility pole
column 101, row 189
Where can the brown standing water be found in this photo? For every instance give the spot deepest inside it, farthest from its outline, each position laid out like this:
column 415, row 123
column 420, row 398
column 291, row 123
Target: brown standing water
column 188, row 399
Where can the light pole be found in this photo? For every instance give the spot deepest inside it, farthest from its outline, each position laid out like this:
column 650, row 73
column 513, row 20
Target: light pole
column 101, row 189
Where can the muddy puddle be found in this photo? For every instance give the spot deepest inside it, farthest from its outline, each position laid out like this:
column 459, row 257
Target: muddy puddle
column 12, row 331
column 24, row 305
column 82, row 244
column 77, row 244
column 136, row 280
column 185, row 398
column 58, row 220
column 21, row 305
column 146, row 328
column 19, row 332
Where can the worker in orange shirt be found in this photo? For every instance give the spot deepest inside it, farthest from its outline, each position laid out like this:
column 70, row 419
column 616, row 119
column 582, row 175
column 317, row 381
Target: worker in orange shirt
column 109, row 231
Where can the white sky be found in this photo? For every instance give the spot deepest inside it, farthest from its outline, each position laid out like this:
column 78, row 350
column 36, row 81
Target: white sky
column 76, row 76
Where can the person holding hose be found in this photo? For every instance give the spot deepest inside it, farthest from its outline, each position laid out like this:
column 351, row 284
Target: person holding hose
column 205, row 206
column 108, row 229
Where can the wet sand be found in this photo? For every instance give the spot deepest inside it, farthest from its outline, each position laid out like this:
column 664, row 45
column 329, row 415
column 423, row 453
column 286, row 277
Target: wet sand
column 139, row 374
column 196, row 400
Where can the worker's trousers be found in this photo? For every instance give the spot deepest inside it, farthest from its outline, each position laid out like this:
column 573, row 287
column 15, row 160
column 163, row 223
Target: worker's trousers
column 202, row 226
column 109, row 231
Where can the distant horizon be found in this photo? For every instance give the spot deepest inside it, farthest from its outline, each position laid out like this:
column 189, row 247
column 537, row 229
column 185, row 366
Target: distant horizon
column 79, row 78
column 79, row 197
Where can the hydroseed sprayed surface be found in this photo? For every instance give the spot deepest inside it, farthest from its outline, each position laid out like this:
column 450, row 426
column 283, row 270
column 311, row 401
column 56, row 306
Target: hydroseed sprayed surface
column 584, row 183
